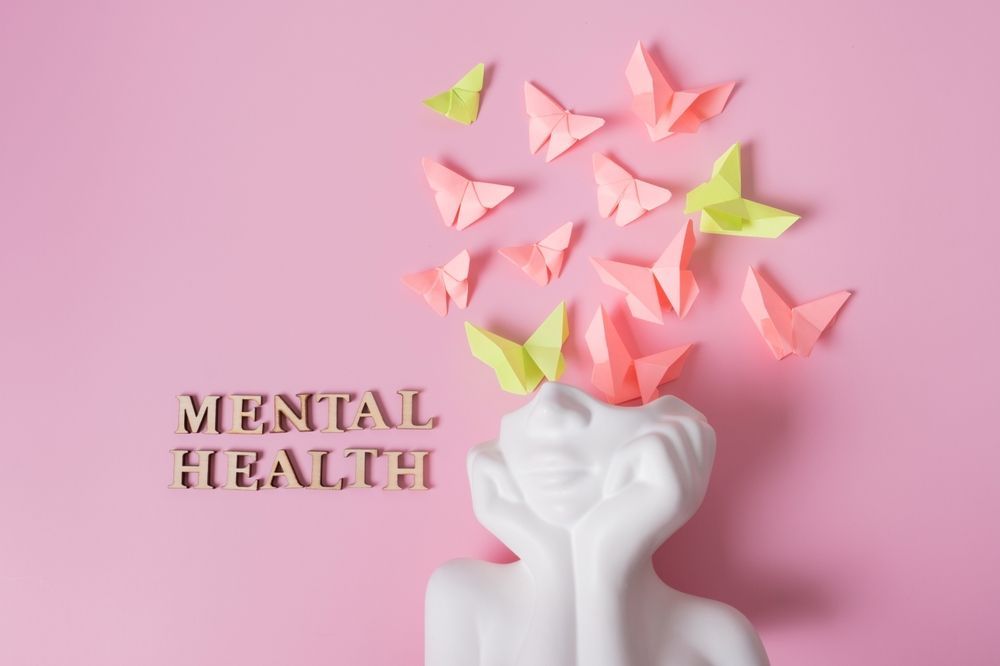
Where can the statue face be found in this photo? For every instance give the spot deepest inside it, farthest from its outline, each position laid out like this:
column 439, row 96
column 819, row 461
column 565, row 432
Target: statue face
column 559, row 446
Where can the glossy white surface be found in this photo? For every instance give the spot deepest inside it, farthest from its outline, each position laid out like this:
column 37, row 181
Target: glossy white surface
column 584, row 493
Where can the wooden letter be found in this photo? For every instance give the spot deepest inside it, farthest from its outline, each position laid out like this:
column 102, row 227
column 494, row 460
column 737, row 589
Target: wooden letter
column 317, row 473
column 282, row 410
column 394, row 470
column 202, row 469
column 361, row 466
column 369, row 409
column 282, row 467
column 333, row 409
column 409, row 400
column 237, row 470
column 191, row 419
column 243, row 414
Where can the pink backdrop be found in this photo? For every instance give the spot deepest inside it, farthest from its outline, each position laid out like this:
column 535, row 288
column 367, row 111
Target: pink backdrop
column 222, row 197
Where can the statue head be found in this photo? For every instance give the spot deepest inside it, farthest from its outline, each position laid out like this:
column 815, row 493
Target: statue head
column 565, row 453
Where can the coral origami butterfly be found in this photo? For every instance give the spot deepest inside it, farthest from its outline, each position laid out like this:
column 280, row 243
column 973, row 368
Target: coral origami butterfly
column 621, row 194
column 786, row 329
column 541, row 261
column 668, row 279
column 521, row 368
column 618, row 374
column 548, row 121
column 666, row 111
column 437, row 284
column 459, row 200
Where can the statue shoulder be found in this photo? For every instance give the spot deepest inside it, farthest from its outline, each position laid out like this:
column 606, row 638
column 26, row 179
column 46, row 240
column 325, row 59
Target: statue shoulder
column 463, row 595
column 722, row 634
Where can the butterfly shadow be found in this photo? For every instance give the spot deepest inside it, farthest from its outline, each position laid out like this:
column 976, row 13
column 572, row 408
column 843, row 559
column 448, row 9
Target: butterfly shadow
column 748, row 152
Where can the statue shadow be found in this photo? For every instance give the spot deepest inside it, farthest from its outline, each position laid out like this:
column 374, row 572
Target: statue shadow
column 704, row 558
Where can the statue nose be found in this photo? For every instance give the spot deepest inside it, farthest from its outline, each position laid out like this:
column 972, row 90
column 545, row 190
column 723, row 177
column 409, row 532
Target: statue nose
column 559, row 407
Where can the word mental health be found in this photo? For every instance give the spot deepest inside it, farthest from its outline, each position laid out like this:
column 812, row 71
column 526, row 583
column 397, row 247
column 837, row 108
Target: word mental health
column 250, row 414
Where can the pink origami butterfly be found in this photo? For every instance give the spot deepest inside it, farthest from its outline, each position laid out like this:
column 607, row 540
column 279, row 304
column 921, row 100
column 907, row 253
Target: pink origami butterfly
column 541, row 261
column 622, row 377
column 622, row 194
column 437, row 284
column 668, row 279
column 550, row 122
column 460, row 200
column 664, row 110
column 788, row 330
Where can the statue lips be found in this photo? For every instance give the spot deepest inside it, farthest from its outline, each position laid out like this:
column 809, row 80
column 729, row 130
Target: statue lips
column 556, row 471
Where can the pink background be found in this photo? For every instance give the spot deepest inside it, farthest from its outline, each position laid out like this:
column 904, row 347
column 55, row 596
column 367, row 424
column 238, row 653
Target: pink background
column 222, row 197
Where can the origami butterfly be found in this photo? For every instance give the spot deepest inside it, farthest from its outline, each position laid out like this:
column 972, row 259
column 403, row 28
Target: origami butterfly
column 520, row 368
column 620, row 376
column 668, row 278
column 541, row 261
column 619, row 192
column 550, row 122
column 788, row 330
column 664, row 110
column 461, row 101
column 725, row 211
column 437, row 284
column 461, row 201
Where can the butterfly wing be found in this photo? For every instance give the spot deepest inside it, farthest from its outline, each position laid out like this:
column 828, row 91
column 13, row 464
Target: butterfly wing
column 770, row 314
column 515, row 370
column 478, row 199
column 455, row 275
column 657, row 369
column 553, row 248
column 700, row 105
column 449, row 189
column 529, row 259
column 612, row 183
column 638, row 283
column 651, row 93
column 614, row 372
column 809, row 320
column 672, row 273
column 460, row 102
column 431, row 287
column 545, row 344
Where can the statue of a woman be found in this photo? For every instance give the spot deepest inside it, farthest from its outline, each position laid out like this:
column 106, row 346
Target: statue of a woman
column 584, row 493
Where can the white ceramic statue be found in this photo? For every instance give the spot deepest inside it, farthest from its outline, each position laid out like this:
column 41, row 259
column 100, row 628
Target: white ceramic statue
column 584, row 493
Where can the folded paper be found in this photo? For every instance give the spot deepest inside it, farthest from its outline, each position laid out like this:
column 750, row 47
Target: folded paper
column 521, row 368
column 461, row 101
column 667, row 283
column 666, row 111
column 788, row 330
column 725, row 211
column 541, row 261
column 550, row 122
column 437, row 284
column 622, row 377
column 621, row 194
column 462, row 201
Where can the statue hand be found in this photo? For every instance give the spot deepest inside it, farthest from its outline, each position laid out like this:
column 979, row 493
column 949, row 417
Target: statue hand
column 499, row 506
column 654, row 484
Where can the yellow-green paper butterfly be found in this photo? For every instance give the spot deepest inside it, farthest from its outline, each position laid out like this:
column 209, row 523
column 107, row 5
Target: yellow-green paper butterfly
column 461, row 101
column 520, row 368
